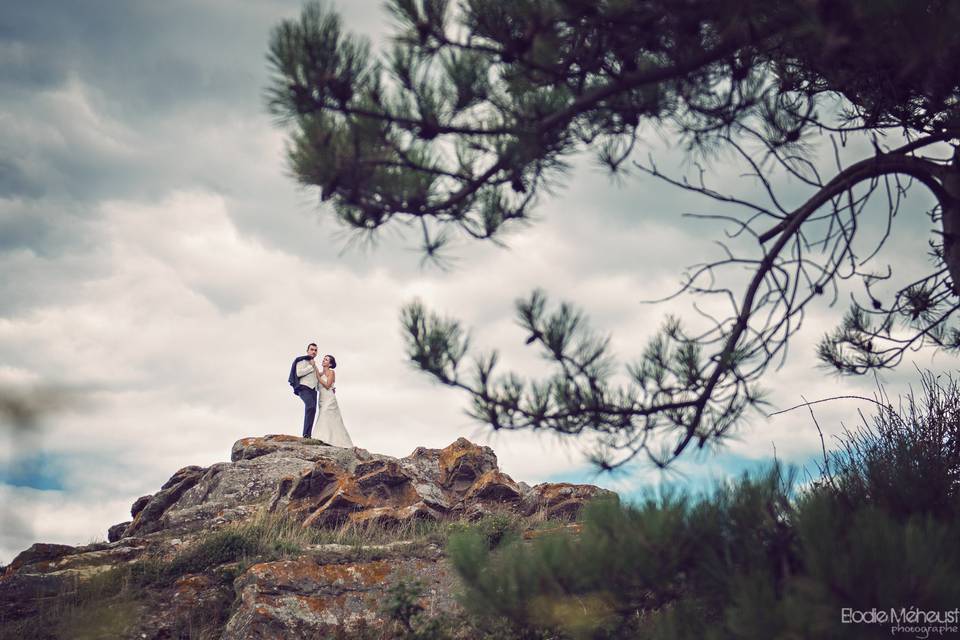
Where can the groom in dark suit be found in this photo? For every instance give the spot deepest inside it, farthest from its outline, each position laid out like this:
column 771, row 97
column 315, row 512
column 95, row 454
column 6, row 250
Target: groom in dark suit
column 303, row 379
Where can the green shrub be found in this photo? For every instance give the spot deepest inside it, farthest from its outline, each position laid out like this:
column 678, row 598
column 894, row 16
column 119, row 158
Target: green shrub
column 755, row 558
column 403, row 605
column 229, row 545
column 494, row 529
column 906, row 460
column 628, row 559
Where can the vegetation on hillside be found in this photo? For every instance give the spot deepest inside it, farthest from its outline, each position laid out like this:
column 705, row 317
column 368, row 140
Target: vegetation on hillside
column 759, row 558
column 112, row 602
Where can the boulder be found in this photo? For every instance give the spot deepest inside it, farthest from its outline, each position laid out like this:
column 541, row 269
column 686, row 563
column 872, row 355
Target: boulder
column 148, row 516
column 138, row 505
column 463, row 463
column 561, row 500
column 495, row 486
column 116, row 532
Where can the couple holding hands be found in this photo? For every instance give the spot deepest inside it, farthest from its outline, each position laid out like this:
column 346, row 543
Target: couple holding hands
column 315, row 385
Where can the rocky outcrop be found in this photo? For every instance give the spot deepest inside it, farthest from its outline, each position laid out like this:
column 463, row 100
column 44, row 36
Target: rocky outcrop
column 324, row 486
column 317, row 590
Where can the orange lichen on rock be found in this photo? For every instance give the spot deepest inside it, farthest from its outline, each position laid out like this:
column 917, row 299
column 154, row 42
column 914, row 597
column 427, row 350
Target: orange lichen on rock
column 315, row 485
column 563, row 499
column 366, row 574
column 464, row 461
column 345, row 499
column 494, row 485
column 281, row 437
column 315, row 604
column 318, row 482
column 551, row 493
column 307, row 574
column 392, row 516
column 189, row 589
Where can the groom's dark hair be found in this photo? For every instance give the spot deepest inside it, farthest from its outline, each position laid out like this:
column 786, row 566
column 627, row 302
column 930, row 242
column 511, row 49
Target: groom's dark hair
column 333, row 361
column 312, row 344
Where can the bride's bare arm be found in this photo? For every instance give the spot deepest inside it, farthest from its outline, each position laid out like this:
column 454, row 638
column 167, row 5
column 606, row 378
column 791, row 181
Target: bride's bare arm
column 330, row 378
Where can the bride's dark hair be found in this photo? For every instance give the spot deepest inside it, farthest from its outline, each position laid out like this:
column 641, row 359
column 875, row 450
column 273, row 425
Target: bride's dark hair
column 333, row 361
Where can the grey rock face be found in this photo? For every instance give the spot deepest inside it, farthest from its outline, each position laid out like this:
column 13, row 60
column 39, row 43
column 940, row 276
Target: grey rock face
column 305, row 598
column 324, row 486
column 115, row 532
column 325, row 589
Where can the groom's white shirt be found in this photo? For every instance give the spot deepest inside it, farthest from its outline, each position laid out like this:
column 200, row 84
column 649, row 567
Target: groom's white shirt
column 305, row 372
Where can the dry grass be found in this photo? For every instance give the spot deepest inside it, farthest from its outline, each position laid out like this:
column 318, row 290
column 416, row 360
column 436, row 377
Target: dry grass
column 96, row 607
column 278, row 533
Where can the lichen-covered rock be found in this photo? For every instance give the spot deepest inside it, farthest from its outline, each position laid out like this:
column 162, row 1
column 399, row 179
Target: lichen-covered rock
column 250, row 448
column 324, row 486
column 148, row 517
column 393, row 516
column 332, row 589
column 38, row 553
column 495, row 486
column 561, row 500
column 65, row 559
column 463, row 462
column 345, row 500
column 307, row 598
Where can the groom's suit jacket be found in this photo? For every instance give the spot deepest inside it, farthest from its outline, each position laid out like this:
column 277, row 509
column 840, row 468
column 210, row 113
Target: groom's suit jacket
column 301, row 374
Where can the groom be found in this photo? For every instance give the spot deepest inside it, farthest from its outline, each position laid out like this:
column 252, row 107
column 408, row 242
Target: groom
column 303, row 379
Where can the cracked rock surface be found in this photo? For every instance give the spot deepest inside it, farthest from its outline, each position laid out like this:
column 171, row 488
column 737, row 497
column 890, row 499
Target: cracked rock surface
column 320, row 590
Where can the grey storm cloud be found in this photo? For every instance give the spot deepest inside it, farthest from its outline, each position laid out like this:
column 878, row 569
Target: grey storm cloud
column 125, row 100
column 153, row 56
column 135, row 100
column 15, row 183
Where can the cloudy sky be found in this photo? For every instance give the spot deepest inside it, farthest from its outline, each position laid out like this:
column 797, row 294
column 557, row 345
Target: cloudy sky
column 161, row 268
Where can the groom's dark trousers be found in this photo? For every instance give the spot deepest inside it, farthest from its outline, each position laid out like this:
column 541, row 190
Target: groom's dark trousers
column 309, row 397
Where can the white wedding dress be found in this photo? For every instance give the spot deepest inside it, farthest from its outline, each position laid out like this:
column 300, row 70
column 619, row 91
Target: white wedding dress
column 329, row 425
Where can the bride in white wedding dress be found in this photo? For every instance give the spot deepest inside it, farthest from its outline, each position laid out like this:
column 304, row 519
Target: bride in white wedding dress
column 329, row 425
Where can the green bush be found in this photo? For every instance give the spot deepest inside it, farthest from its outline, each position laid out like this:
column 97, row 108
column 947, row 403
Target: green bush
column 756, row 558
column 214, row 550
column 494, row 529
column 629, row 559
column 906, row 460
column 407, row 620
column 403, row 605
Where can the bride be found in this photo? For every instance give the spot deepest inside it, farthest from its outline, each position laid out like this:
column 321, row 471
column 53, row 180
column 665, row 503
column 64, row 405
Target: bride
column 329, row 424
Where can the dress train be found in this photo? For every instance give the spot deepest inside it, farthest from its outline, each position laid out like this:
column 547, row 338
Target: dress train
column 329, row 425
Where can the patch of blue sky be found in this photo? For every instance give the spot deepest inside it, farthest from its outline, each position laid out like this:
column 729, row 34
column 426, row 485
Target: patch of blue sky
column 695, row 476
column 39, row 470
